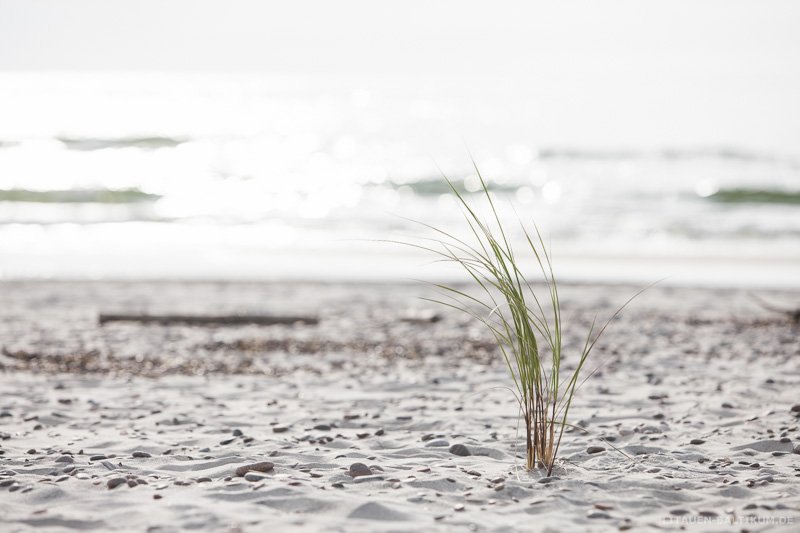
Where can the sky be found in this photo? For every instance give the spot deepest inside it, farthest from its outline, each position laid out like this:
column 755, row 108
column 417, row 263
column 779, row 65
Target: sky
column 715, row 72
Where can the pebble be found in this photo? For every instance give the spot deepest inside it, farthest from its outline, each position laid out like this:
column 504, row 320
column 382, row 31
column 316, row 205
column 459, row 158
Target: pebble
column 359, row 469
column 141, row 455
column 597, row 514
column 237, row 433
column 322, row 427
column 98, row 458
column 115, row 482
column 796, row 408
column 595, row 449
column 460, row 450
column 264, row 466
column 380, row 432
column 65, row 459
column 458, row 507
column 437, row 443
column 697, row 441
column 227, row 441
column 279, row 429
column 254, row 476
column 546, row 480
column 157, row 496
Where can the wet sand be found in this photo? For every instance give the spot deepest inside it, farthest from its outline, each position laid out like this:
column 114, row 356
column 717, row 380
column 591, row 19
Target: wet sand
column 388, row 415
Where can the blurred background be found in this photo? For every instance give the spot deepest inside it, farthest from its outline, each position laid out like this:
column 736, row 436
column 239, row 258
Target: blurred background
column 210, row 139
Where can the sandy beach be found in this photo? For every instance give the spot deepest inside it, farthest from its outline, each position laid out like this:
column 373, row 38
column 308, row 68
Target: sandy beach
column 388, row 414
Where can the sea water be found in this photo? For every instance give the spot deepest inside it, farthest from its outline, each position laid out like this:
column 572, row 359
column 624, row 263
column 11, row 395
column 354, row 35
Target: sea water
column 215, row 176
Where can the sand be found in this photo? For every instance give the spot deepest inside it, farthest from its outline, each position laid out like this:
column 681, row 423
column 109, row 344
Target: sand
column 388, row 415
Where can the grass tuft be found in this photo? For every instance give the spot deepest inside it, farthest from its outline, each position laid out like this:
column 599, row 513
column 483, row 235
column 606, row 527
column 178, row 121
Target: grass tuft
column 527, row 328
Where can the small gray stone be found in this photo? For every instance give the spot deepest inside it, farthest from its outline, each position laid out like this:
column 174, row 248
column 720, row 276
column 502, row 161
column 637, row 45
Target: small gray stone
column 359, row 469
column 697, row 441
column 279, row 429
column 322, row 427
column 65, row 459
column 460, row 450
column 437, row 443
column 254, row 476
column 595, row 449
column 116, row 482
column 141, row 455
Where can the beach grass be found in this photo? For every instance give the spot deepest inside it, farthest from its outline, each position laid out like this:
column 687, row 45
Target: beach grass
column 526, row 326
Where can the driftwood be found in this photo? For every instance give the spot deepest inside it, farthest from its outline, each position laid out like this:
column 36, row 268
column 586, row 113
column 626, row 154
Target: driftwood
column 205, row 320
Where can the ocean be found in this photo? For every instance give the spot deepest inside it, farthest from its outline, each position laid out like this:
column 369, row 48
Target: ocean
column 219, row 176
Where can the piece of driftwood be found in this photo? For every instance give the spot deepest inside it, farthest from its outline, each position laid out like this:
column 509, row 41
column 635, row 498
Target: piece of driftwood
column 206, row 320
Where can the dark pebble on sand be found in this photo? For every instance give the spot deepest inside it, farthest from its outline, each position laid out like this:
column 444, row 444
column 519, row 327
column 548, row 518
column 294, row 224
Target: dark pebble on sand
column 237, row 433
column 697, row 441
column 65, row 459
column 98, row 458
column 32, row 451
column 546, row 480
column 279, row 429
column 359, row 469
column 115, row 482
column 380, row 432
column 322, row 427
column 264, row 466
column 226, row 441
column 595, row 449
column 141, row 455
column 157, row 496
column 796, row 408
column 597, row 514
column 254, row 476
column 460, row 449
